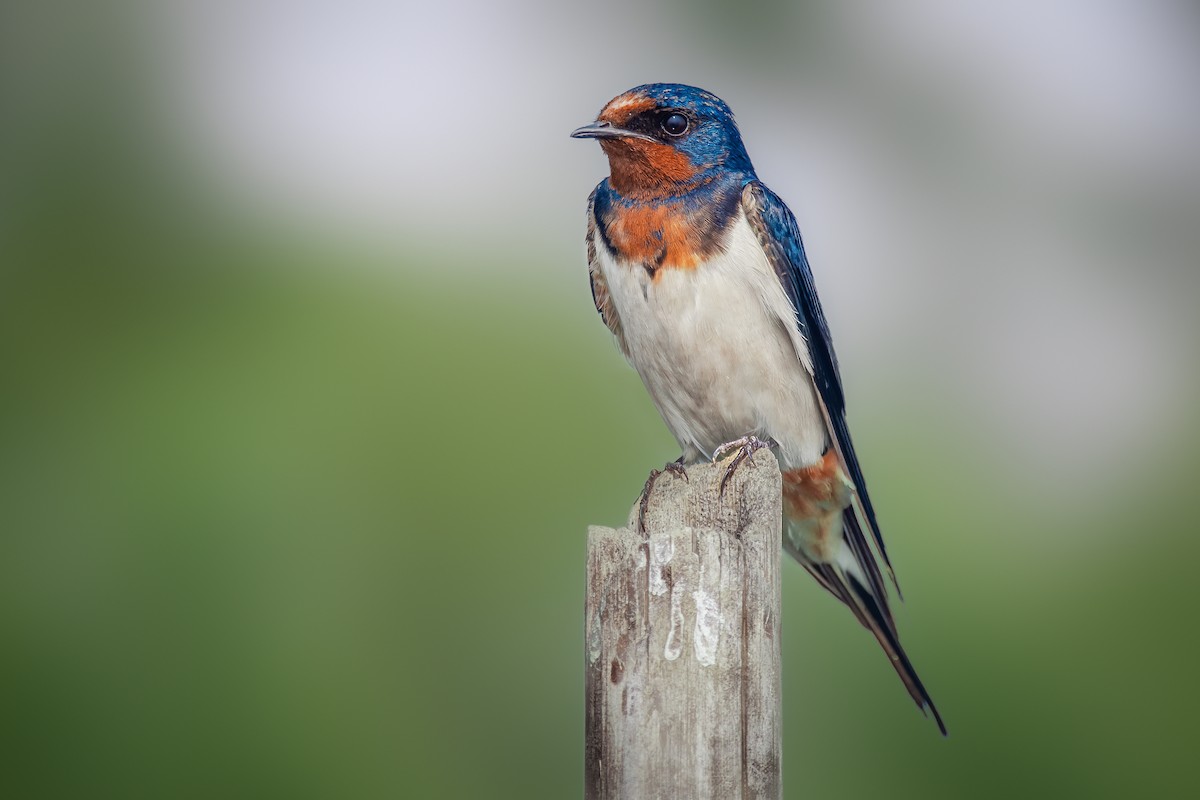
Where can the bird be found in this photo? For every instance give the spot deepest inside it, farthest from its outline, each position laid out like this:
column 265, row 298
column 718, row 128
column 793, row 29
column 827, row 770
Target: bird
column 699, row 272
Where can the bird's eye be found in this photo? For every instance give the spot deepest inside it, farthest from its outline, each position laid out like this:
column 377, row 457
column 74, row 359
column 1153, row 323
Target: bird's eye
column 675, row 124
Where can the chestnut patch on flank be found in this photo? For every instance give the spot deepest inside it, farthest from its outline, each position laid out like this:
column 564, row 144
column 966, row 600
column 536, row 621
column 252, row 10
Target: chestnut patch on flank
column 814, row 498
column 810, row 492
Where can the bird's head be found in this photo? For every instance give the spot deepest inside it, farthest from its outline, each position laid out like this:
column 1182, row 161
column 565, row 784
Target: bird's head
column 663, row 139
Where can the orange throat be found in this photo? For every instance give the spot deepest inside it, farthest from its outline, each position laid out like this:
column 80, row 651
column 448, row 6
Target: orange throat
column 642, row 170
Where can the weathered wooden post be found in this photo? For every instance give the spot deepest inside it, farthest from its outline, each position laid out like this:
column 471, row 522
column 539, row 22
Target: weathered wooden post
column 682, row 642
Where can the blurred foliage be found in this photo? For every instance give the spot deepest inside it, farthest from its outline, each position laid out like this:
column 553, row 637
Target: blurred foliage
column 279, row 518
column 276, row 524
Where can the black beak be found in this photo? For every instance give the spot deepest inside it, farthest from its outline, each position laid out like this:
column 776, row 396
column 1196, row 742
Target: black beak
column 605, row 130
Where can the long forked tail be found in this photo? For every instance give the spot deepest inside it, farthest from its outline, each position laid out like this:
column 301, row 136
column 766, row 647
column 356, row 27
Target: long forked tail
column 863, row 591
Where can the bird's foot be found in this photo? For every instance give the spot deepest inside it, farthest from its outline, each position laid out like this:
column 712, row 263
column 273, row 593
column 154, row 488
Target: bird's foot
column 675, row 468
column 746, row 447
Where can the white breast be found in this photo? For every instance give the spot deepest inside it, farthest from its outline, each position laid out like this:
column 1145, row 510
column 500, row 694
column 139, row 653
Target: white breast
column 718, row 349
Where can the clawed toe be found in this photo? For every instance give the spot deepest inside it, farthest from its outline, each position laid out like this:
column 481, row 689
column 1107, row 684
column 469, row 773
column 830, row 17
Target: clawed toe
column 746, row 447
column 742, row 449
column 676, row 468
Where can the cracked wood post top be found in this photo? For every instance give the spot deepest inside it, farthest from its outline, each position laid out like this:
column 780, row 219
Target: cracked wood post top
column 753, row 493
column 682, row 650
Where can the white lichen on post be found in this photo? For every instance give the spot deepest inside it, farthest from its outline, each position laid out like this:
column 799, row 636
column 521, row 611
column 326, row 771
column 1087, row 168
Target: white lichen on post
column 682, row 642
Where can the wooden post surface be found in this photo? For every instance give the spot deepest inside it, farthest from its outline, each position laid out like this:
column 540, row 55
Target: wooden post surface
column 682, row 642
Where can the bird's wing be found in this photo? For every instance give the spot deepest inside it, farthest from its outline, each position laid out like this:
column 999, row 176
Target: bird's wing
column 779, row 236
column 600, row 295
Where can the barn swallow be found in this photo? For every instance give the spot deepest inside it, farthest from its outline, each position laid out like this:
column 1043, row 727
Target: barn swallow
column 698, row 270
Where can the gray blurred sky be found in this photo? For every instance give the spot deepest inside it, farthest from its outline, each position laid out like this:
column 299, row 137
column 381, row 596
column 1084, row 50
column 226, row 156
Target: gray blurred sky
column 1001, row 197
column 1000, row 200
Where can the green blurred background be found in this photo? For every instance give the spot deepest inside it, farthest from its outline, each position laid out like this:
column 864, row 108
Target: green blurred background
column 304, row 408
